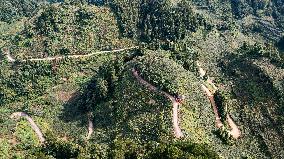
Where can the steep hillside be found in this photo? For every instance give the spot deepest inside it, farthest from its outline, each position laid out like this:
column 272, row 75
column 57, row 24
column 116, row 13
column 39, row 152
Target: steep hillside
column 14, row 10
column 141, row 79
column 63, row 29
column 257, row 17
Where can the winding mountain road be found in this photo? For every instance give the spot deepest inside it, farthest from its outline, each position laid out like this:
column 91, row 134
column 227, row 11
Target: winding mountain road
column 11, row 59
column 30, row 120
column 212, row 101
column 90, row 126
column 177, row 130
column 235, row 131
column 32, row 123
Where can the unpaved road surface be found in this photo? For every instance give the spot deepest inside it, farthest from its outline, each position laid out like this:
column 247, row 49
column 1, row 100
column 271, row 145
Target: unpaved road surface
column 32, row 123
column 90, row 127
column 212, row 101
column 11, row 59
column 177, row 130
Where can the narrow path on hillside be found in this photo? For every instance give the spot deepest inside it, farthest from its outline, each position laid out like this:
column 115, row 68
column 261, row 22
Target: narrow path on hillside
column 11, row 59
column 90, row 126
column 32, row 123
column 177, row 130
column 235, row 131
column 212, row 101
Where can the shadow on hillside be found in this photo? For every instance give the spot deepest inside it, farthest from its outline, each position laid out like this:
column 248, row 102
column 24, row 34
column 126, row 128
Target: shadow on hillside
column 258, row 98
column 87, row 101
column 81, row 104
column 74, row 110
column 105, row 115
column 2, row 55
column 116, row 9
column 96, row 97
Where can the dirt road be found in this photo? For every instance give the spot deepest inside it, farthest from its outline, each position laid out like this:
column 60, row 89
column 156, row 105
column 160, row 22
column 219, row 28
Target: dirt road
column 177, row 130
column 11, row 59
column 32, row 123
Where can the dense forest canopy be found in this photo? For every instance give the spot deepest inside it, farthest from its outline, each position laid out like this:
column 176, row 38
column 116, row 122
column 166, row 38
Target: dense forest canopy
column 141, row 79
column 13, row 10
column 67, row 29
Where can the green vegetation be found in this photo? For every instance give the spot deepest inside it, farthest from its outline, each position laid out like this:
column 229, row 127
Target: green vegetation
column 94, row 107
column 13, row 10
column 157, row 22
column 64, row 29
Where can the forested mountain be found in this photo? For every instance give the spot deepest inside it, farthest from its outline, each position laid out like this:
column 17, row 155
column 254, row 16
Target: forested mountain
column 141, row 79
column 13, row 10
column 67, row 29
